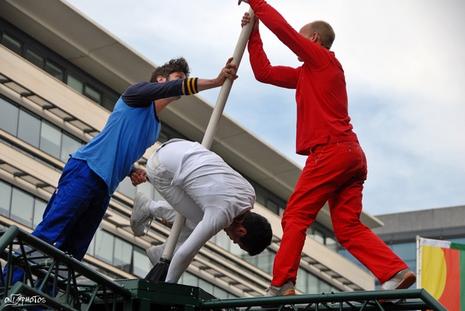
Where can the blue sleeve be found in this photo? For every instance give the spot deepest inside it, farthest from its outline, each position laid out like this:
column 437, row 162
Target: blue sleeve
column 143, row 93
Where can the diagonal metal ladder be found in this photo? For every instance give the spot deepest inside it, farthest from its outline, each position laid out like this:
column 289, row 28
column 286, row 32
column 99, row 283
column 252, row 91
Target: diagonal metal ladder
column 51, row 277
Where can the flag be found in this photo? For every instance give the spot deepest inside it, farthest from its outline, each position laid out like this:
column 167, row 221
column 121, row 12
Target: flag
column 441, row 271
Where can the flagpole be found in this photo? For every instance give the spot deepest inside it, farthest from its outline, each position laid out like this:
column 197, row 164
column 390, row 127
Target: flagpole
column 418, row 238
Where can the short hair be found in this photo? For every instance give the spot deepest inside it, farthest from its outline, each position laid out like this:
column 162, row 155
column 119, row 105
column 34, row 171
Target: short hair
column 326, row 32
column 174, row 65
column 259, row 233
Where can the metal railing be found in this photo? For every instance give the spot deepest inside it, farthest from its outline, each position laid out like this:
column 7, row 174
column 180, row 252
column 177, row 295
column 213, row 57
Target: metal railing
column 52, row 277
column 407, row 299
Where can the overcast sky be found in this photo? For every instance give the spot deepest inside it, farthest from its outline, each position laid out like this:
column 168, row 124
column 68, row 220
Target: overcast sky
column 404, row 66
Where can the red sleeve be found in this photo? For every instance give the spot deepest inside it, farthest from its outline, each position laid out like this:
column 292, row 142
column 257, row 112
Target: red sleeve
column 277, row 75
column 307, row 50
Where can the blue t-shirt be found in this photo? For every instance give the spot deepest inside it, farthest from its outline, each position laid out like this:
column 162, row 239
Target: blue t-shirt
column 131, row 128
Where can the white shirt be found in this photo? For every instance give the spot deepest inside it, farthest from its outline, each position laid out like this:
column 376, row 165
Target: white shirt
column 198, row 184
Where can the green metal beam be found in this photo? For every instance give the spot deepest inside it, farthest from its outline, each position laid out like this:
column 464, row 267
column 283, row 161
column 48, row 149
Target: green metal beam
column 419, row 297
column 43, row 247
column 8, row 237
column 77, row 266
column 50, row 273
column 166, row 294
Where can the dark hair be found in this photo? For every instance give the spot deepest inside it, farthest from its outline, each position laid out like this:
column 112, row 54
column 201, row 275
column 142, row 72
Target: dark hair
column 258, row 235
column 174, row 65
column 326, row 32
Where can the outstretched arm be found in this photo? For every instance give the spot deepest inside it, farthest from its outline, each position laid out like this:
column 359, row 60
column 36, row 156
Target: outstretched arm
column 142, row 94
column 210, row 225
column 307, row 50
column 263, row 70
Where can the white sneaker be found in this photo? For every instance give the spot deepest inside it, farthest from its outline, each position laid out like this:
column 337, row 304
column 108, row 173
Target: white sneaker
column 403, row 279
column 140, row 217
column 287, row 289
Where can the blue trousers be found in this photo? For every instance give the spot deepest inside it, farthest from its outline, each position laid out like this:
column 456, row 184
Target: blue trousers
column 75, row 210
column 73, row 213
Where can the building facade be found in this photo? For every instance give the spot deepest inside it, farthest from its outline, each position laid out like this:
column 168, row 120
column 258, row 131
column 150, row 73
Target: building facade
column 60, row 75
column 401, row 229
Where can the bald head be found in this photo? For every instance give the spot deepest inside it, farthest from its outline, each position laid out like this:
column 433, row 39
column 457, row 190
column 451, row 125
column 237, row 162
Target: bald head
column 319, row 31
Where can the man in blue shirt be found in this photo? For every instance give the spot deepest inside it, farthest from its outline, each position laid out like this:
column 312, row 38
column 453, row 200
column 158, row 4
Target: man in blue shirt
column 94, row 171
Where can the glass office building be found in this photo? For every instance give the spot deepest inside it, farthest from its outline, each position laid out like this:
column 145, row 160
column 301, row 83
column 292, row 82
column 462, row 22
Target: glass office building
column 400, row 230
column 60, row 75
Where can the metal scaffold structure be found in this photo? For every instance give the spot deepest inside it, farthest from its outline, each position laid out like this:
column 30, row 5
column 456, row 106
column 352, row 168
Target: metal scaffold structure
column 52, row 277
column 59, row 282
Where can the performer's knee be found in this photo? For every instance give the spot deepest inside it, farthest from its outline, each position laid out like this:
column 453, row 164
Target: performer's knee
column 345, row 231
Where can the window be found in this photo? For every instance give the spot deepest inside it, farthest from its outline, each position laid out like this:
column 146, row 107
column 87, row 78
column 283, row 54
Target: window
column 34, row 58
column 265, row 261
column 206, row 286
column 126, row 188
column 331, row 243
column 90, row 249
column 39, row 209
column 147, row 189
column 68, row 146
column 8, row 117
column 104, row 246
column 57, row 66
column 109, row 102
column 141, row 262
column 54, row 69
column 236, row 250
column 272, row 206
column 407, row 251
column 189, row 279
column 37, row 132
column 123, row 255
column 222, row 240
column 318, row 236
column 312, row 283
column 12, row 43
column 92, row 93
column 267, row 198
column 5, row 198
column 162, row 137
column 29, row 128
column 220, row 293
column 75, row 83
column 22, row 206
column 325, row 288
column 301, row 282
column 50, row 139
column 259, row 197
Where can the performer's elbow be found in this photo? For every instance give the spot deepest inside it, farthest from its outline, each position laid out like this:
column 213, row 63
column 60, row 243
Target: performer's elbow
column 263, row 77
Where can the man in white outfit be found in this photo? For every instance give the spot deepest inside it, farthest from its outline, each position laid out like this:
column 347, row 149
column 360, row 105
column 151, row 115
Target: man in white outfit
column 212, row 196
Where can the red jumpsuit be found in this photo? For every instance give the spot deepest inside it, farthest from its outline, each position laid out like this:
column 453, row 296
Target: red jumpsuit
column 336, row 167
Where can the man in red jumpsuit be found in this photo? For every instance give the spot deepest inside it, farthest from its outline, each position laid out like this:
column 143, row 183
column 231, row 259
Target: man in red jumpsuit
column 336, row 166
